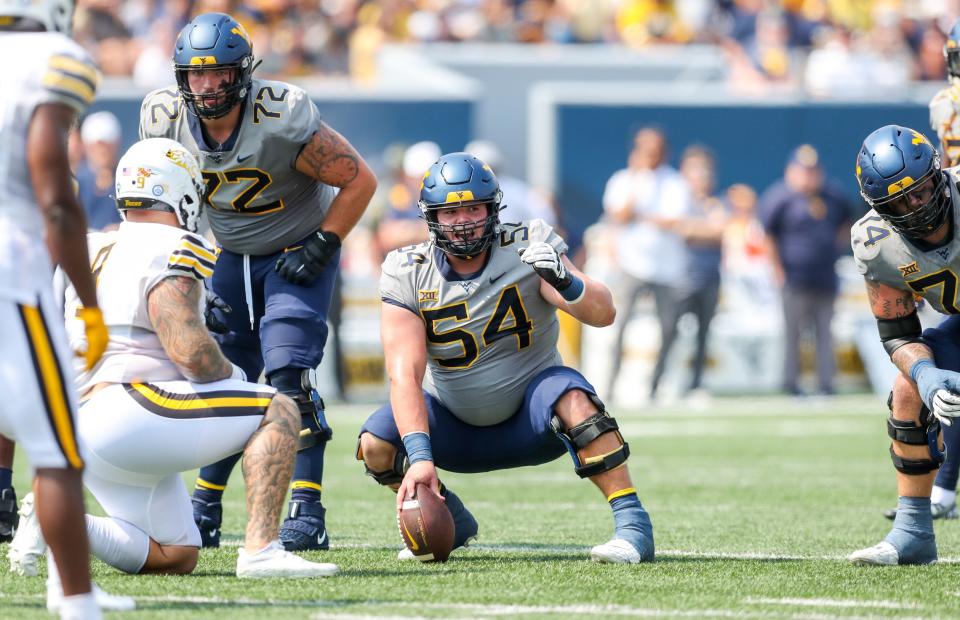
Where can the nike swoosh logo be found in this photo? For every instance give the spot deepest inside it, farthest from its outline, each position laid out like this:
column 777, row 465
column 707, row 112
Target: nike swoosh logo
column 322, row 538
column 495, row 278
column 244, row 158
column 413, row 543
column 213, row 533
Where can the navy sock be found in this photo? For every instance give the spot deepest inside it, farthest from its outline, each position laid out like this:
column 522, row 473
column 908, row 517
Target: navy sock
column 215, row 475
column 632, row 523
column 308, row 474
column 6, row 478
column 207, row 495
column 912, row 533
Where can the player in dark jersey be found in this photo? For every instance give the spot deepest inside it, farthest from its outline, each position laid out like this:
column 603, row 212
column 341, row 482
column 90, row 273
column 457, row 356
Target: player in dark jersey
column 283, row 189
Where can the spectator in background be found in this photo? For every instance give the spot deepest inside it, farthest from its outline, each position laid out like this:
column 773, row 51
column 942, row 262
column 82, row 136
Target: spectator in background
column 521, row 201
column 805, row 220
column 748, row 279
column 101, row 137
column 644, row 203
column 765, row 59
column 99, row 28
column 702, row 230
column 401, row 224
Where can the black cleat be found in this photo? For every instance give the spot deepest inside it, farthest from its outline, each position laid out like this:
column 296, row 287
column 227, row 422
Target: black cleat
column 9, row 519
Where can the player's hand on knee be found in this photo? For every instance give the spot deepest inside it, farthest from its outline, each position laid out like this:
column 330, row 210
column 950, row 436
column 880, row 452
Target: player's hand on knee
column 946, row 406
column 930, row 380
column 302, row 266
column 546, row 262
column 421, row 472
column 97, row 336
column 214, row 309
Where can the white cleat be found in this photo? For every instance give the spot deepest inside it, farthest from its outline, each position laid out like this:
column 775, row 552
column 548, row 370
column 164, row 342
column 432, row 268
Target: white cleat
column 882, row 554
column 275, row 561
column 616, row 551
column 105, row 600
column 27, row 545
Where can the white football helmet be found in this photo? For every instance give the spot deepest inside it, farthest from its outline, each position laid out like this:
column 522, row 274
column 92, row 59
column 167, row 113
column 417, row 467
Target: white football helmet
column 159, row 174
column 55, row 15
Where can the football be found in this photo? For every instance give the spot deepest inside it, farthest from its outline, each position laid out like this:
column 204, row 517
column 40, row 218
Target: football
column 426, row 526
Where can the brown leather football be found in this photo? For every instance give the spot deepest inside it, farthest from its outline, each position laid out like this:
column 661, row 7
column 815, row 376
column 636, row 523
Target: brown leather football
column 426, row 526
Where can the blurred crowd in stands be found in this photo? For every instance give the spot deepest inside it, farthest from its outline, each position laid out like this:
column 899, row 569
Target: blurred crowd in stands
column 831, row 47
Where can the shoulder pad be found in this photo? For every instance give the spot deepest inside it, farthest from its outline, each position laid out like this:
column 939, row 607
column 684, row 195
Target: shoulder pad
column 158, row 112
column 867, row 236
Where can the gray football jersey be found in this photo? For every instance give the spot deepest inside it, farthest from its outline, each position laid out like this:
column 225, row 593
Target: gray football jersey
column 258, row 202
column 487, row 335
column 886, row 257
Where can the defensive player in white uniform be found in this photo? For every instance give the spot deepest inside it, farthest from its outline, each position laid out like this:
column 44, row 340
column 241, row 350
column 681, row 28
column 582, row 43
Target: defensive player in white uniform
column 907, row 245
column 45, row 83
column 164, row 399
column 469, row 331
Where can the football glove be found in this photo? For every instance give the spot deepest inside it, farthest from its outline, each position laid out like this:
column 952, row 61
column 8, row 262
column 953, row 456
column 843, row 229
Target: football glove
column 97, row 335
column 547, row 263
column 939, row 389
column 211, row 313
column 302, row 266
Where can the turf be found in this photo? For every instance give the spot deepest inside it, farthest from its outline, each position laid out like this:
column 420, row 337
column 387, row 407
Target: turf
column 755, row 502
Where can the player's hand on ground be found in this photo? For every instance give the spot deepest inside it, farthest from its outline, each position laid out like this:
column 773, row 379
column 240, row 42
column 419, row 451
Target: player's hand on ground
column 97, row 335
column 547, row 263
column 213, row 313
column 302, row 266
column 421, row 472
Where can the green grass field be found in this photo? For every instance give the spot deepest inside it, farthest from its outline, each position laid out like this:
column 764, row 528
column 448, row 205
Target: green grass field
column 755, row 503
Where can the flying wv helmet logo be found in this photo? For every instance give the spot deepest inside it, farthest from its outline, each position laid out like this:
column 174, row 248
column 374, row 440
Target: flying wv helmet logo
column 944, row 253
column 918, row 138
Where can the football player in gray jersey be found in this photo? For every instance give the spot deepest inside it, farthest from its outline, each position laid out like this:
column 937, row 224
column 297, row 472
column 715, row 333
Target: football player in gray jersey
column 907, row 246
column 469, row 332
column 283, row 189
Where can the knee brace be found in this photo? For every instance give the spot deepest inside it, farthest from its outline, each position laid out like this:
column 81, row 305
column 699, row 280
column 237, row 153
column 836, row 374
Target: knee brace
column 300, row 384
column 924, row 434
column 394, row 475
column 580, row 436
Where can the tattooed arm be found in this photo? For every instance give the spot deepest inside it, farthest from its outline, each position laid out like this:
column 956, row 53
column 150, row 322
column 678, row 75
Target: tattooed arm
column 330, row 159
column 887, row 302
column 174, row 308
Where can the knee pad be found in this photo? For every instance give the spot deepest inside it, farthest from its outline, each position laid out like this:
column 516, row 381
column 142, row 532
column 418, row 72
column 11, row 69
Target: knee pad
column 394, row 475
column 924, row 434
column 300, row 384
column 580, row 436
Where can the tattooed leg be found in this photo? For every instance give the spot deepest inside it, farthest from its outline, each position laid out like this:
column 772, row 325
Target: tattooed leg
column 267, row 467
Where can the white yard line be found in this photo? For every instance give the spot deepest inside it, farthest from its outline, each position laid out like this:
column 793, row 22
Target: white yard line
column 830, row 602
column 327, row 608
column 585, row 549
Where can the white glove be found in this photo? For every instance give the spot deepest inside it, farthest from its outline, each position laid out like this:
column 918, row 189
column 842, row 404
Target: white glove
column 546, row 262
column 946, row 406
